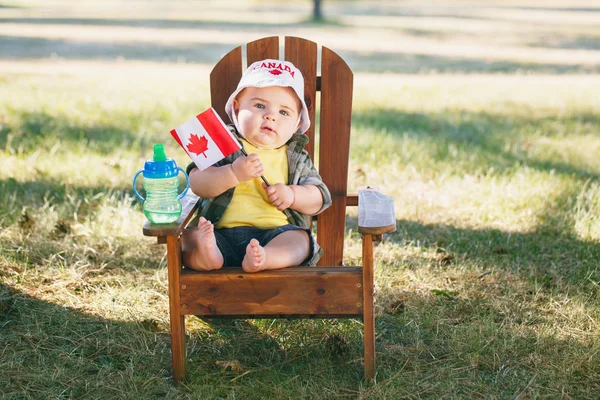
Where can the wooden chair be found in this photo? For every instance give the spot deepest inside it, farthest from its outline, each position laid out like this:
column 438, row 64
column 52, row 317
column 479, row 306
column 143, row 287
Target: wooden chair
column 327, row 291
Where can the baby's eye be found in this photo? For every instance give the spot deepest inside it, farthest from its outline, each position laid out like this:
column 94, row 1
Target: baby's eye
column 283, row 112
column 260, row 105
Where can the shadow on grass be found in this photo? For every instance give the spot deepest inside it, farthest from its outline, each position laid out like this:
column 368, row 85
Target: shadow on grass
column 433, row 347
column 50, row 350
column 481, row 347
column 498, row 335
column 87, row 199
column 31, row 131
column 291, row 347
column 415, row 63
column 559, row 9
column 36, row 193
column 53, row 351
column 570, row 42
column 553, row 251
column 40, row 243
column 548, row 256
column 491, row 141
column 25, row 48
column 190, row 24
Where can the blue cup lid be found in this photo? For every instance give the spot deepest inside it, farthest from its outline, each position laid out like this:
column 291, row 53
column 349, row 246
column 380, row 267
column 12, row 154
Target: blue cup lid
column 160, row 166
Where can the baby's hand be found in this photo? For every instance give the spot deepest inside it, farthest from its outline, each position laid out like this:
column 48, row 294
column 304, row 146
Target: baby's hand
column 247, row 168
column 280, row 195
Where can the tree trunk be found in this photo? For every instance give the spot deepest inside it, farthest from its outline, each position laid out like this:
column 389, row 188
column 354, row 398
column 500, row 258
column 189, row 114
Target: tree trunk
column 317, row 13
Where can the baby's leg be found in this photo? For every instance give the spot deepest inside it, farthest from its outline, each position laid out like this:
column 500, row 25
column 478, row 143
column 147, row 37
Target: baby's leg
column 200, row 251
column 287, row 249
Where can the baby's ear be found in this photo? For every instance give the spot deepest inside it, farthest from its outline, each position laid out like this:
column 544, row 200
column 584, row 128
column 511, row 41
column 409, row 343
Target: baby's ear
column 236, row 106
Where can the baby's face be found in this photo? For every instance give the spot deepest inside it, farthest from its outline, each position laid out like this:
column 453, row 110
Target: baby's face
column 267, row 117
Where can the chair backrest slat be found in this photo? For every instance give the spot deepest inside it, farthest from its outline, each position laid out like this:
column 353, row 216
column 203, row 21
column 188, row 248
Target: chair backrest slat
column 335, row 118
column 224, row 79
column 335, row 115
column 303, row 54
column 262, row 49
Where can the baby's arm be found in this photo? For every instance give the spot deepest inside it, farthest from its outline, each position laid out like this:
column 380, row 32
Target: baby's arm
column 306, row 199
column 215, row 180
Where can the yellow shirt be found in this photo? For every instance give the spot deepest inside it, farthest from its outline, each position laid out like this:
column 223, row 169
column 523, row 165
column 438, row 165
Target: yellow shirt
column 250, row 205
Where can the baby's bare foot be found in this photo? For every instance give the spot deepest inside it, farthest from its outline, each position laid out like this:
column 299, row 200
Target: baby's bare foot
column 255, row 258
column 207, row 255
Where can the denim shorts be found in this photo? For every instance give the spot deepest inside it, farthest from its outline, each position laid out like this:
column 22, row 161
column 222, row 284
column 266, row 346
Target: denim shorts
column 232, row 242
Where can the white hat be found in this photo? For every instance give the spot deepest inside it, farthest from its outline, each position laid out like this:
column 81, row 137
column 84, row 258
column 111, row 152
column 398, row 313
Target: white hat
column 267, row 73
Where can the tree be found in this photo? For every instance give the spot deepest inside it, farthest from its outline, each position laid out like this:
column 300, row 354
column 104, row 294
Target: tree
column 317, row 12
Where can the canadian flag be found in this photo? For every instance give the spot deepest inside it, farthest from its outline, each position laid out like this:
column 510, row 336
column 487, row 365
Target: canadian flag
column 206, row 139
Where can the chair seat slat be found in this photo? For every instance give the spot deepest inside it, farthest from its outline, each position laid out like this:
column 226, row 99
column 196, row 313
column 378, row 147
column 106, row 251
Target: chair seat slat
column 286, row 292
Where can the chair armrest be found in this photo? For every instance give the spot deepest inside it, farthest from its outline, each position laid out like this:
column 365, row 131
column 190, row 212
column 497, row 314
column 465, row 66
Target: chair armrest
column 352, row 200
column 376, row 214
column 189, row 205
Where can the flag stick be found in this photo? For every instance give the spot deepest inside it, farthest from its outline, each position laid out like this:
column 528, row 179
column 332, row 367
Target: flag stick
column 262, row 176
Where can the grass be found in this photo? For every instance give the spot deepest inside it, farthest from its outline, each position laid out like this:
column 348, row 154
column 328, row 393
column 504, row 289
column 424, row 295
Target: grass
column 489, row 288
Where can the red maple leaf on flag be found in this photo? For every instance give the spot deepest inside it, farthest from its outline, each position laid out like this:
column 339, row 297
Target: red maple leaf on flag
column 275, row 72
column 197, row 145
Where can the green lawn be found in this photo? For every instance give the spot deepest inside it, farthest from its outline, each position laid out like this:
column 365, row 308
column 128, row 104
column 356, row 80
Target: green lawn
column 482, row 120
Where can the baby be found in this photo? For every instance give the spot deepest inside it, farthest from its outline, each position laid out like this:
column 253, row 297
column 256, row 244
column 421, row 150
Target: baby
column 243, row 221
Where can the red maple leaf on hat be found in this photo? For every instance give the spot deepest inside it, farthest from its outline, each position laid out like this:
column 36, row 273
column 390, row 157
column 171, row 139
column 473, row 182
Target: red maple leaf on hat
column 197, row 145
column 275, row 72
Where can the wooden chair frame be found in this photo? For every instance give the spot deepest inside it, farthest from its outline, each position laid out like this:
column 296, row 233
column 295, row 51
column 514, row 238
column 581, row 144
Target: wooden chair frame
column 327, row 291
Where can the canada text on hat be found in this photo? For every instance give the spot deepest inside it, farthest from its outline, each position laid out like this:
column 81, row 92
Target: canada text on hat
column 274, row 66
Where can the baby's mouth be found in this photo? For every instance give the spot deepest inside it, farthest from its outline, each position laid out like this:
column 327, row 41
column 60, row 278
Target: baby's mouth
column 267, row 128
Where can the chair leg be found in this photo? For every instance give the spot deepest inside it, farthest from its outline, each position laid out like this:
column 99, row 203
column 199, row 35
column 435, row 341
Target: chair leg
column 178, row 347
column 368, row 307
column 177, row 319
